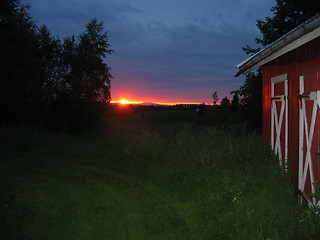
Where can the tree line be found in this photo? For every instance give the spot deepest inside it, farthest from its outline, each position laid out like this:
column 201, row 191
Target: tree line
column 64, row 84
column 59, row 83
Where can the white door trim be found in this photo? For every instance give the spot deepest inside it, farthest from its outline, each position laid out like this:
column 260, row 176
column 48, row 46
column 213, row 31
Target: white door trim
column 277, row 119
column 306, row 136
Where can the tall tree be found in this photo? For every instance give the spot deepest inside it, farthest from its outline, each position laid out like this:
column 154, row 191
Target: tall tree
column 287, row 14
column 45, row 78
column 51, row 69
column 90, row 76
column 84, row 80
column 20, row 91
column 215, row 98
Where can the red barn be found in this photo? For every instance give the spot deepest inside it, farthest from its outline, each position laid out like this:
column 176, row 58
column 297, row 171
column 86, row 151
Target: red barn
column 291, row 101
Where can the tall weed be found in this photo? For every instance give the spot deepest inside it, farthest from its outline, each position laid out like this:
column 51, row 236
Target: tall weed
column 235, row 181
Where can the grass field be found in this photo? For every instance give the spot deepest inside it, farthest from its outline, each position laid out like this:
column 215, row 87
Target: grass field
column 151, row 177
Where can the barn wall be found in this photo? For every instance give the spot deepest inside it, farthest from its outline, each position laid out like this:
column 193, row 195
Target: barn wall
column 303, row 60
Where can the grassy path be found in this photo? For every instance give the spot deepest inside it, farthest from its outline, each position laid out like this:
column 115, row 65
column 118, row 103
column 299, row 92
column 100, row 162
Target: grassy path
column 65, row 192
column 182, row 184
column 83, row 202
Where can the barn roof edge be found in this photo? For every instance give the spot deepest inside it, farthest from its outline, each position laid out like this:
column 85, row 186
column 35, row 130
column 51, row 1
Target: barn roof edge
column 306, row 32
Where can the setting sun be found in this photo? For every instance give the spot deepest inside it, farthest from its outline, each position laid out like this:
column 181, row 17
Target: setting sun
column 125, row 102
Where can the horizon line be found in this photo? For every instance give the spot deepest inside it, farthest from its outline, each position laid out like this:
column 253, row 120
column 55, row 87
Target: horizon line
column 125, row 102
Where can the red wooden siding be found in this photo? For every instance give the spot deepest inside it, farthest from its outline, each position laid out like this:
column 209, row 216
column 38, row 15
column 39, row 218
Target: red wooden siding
column 302, row 61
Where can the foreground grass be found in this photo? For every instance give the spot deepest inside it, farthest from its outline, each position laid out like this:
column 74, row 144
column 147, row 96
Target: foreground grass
column 177, row 183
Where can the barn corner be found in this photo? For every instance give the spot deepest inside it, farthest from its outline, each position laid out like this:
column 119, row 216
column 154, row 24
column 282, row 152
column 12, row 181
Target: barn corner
column 291, row 102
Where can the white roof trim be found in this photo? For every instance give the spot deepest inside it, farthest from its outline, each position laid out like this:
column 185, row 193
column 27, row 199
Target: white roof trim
column 300, row 35
column 295, row 44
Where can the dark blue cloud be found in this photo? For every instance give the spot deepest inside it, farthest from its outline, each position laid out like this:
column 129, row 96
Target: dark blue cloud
column 186, row 47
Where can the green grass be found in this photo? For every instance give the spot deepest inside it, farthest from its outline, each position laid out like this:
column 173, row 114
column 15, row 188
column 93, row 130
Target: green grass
column 167, row 181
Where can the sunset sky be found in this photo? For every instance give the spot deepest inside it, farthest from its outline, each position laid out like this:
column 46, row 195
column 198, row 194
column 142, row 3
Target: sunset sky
column 167, row 51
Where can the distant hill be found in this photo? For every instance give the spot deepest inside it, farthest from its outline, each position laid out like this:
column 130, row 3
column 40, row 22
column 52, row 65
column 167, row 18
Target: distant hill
column 150, row 104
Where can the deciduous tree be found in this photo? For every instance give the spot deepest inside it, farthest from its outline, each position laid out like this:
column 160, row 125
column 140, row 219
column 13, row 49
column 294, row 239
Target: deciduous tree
column 215, row 98
column 90, row 75
column 20, row 91
column 47, row 78
column 225, row 102
column 287, row 14
column 84, row 79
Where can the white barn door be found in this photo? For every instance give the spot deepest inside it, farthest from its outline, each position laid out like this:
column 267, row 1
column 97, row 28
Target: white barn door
column 309, row 135
column 279, row 117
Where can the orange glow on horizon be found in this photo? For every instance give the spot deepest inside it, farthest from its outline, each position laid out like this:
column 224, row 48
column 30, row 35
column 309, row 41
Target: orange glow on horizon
column 123, row 101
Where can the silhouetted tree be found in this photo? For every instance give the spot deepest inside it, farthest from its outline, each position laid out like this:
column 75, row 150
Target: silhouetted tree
column 51, row 68
column 235, row 102
column 225, row 102
column 20, row 91
column 90, row 76
column 287, row 14
column 215, row 98
column 66, row 82
column 84, row 80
